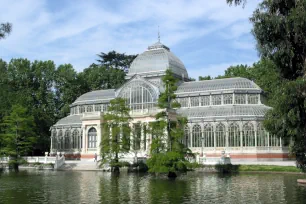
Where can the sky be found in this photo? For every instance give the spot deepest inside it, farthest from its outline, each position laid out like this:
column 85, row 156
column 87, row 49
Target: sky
column 208, row 36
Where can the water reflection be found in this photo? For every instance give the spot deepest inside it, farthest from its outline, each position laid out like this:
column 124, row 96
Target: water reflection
column 99, row 187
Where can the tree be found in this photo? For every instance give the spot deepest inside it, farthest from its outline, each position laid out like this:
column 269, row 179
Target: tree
column 116, row 60
column 167, row 152
column 5, row 29
column 97, row 77
column 203, row 78
column 17, row 136
column 115, row 133
column 279, row 29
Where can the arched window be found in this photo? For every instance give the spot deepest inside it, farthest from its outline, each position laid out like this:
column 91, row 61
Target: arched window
column 233, row 135
column 216, row 99
column 98, row 107
column 248, row 138
column 89, row 109
column 220, row 135
column 208, row 136
column 186, row 139
column 228, row 98
column 92, row 138
column 67, row 139
column 240, row 99
column 139, row 95
column 196, row 136
column 81, row 109
column 194, row 101
column 75, row 139
column 262, row 138
column 60, row 139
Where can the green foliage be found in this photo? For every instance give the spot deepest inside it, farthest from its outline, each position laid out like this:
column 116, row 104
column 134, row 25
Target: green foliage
column 167, row 98
column 203, row 78
column 5, row 29
column 115, row 132
column 115, row 60
column 167, row 152
column 279, row 29
column 18, row 136
column 167, row 162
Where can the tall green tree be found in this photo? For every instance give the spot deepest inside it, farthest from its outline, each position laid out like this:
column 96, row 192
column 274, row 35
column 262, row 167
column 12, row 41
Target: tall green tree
column 116, row 60
column 18, row 134
column 167, row 152
column 115, row 133
column 279, row 29
column 5, row 29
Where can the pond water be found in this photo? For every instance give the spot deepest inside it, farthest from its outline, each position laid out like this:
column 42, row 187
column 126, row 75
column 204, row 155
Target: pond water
column 103, row 187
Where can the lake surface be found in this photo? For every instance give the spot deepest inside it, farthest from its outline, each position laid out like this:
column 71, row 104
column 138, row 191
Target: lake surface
column 103, row 187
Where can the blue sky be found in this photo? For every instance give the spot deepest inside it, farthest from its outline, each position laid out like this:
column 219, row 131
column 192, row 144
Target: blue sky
column 208, row 36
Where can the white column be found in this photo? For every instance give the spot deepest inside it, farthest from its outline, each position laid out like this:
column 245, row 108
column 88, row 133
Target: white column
column 215, row 138
column 83, row 139
column 246, row 99
column 51, row 142
column 259, row 102
column 268, row 139
column 280, row 142
column 233, row 99
column 210, row 100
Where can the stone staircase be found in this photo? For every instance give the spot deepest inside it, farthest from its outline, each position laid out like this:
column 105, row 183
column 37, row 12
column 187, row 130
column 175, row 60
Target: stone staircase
column 83, row 165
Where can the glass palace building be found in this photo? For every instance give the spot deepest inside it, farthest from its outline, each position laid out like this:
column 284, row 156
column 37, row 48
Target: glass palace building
column 223, row 114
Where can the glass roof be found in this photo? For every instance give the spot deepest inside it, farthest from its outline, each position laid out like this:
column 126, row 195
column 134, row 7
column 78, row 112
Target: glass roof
column 70, row 120
column 224, row 111
column 107, row 94
column 217, row 84
column 157, row 58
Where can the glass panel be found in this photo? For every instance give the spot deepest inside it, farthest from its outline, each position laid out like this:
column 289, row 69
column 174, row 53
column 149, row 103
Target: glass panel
column 228, row 98
column 184, row 102
column 194, row 101
column 248, row 138
column 98, row 107
column 262, row 137
column 92, row 138
column 253, row 98
column 89, row 109
column 220, row 135
column 196, row 136
column 208, row 136
column 234, row 135
column 205, row 100
column 240, row 99
column 216, row 99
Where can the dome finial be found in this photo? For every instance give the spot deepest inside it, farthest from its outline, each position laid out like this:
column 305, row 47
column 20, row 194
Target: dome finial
column 158, row 35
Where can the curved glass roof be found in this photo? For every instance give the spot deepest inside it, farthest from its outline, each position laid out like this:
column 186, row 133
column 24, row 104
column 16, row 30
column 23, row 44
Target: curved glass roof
column 236, row 111
column 99, row 95
column 157, row 58
column 217, row 85
column 69, row 120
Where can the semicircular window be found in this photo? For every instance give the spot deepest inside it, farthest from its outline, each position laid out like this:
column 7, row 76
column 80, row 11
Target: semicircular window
column 140, row 96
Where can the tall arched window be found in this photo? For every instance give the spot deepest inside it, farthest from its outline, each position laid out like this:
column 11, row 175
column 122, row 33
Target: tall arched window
column 139, row 95
column 233, row 135
column 75, row 139
column 67, row 139
column 220, row 135
column 208, row 136
column 92, row 138
column 98, row 107
column 196, row 136
column 262, row 139
column 60, row 139
column 248, row 135
column 186, row 139
column 89, row 109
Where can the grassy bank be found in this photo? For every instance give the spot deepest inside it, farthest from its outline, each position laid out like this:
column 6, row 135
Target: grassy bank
column 270, row 168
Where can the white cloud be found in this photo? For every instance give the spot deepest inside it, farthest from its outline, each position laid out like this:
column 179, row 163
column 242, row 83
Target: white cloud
column 76, row 32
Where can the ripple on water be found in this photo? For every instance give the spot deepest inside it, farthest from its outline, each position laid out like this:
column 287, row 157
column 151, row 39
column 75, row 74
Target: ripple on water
column 102, row 187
